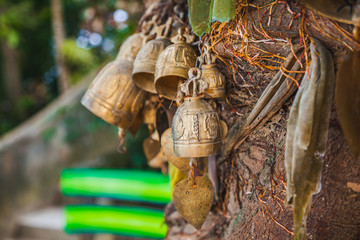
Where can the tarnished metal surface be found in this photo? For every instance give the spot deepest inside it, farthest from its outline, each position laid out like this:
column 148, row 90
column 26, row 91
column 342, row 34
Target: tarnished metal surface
column 196, row 127
column 173, row 65
column 145, row 61
column 193, row 199
column 113, row 96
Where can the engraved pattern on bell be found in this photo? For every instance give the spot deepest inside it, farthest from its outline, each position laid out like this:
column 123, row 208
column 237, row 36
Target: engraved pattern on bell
column 172, row 68
column 199, row 134
column 130, row 47
column 179, row 131
column 215, row 79
column 112, row 95
column 145, row 61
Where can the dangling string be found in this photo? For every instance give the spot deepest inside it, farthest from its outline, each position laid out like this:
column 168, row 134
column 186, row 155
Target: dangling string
column 121, row 147
column 193, row 166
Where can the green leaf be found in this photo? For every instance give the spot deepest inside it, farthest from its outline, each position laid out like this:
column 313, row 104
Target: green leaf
column 223, row 10
column 200, row 15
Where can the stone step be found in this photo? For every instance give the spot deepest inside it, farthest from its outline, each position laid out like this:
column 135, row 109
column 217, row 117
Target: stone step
column 44, row 224
column 48, row 224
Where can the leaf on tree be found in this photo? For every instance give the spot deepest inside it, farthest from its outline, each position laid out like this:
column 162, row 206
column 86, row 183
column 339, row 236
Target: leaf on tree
column 201, row 13
column 307, row 131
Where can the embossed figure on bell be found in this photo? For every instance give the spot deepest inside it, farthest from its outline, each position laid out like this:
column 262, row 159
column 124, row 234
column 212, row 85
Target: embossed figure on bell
column 196, row 128
column 145, row 61
column 212, row 75
column 173, row 65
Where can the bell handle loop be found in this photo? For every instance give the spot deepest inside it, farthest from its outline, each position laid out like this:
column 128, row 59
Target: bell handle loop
column 148, row 26
column 168, row 26
column 199, row 85
column 162, row 31
column 181, row 37
column 209, row 57
column 146, row 39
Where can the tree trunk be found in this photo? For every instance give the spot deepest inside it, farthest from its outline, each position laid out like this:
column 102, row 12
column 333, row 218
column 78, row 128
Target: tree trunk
column 252, row 192
column 11, row 73
column 59, row 36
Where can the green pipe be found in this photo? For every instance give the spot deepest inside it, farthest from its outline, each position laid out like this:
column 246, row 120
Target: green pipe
column 129, row 185
column 126, row 221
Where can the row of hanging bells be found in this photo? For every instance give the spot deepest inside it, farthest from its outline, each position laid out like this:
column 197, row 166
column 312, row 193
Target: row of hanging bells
column 145, row 66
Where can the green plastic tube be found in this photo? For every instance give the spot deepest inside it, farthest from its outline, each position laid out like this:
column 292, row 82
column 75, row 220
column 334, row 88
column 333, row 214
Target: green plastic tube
column 128, row 185
column 126, row 221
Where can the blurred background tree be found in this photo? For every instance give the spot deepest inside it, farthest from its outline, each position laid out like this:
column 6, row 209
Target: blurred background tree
column 30, row 68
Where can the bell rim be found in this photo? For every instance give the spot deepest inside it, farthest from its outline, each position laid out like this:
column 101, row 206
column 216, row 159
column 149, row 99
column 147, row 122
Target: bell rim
column 95, row 106
column 167, row 94
column 199, row 149
column 91, row 102
column 149, row 82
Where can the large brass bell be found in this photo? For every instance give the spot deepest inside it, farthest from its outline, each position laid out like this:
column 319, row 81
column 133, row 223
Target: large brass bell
column 145, row 61
column 112, row 95
column 211, row 74
column 196, row 126
column 173, row 65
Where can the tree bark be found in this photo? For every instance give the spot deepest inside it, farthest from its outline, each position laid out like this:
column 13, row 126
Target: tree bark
column 59, row 36
column 11, row 73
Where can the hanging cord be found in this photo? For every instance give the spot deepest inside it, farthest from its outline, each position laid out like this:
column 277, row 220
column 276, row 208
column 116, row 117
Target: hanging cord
column 121, row 147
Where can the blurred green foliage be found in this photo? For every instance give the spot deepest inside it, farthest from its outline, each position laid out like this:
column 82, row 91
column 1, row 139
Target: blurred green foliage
column 25, row 26
column 79, row 60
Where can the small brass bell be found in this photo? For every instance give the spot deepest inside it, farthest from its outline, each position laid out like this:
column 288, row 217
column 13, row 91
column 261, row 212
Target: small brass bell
column 173, row 65
column 211, row 74
column 145, row 61
column 167, row 146
column 196, row 126
column 131, row 47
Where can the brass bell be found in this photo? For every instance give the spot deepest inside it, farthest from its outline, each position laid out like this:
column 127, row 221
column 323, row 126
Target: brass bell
column 167, row 146
column 145, row 61
column 196, row 126
column 131, row 47
column 173, row 65
column 149, row 110
column 113, row 96
column 211, row 74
